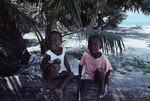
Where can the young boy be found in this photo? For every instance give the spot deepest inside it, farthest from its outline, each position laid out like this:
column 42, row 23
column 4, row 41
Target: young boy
column 55, row 64
column 97, row 67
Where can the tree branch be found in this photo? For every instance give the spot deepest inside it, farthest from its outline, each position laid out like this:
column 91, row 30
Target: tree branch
column 99, row 5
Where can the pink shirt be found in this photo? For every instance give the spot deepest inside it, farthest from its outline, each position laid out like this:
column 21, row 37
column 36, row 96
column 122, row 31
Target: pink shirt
column 91, row 64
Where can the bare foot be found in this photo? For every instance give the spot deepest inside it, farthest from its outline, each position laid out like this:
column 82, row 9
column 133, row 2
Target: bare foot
column 101, row 96
column 59, row 93
column 106, row 89
column 102, row 93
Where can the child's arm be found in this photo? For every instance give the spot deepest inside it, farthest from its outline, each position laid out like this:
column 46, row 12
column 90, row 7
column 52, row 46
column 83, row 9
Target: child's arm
column 67, row 64
column 45, row 64
column 44, row 61
column 80, row 71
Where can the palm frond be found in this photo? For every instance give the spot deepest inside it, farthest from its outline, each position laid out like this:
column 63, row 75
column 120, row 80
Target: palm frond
column 74, row 11
column 10, row 16
column 145, row 7
column 112, row 43
column 58, row 10
column 141, row 5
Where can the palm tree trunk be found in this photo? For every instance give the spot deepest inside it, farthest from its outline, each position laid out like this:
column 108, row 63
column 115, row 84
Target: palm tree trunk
column 99, row 5
column 100, row 20
column 111, row 22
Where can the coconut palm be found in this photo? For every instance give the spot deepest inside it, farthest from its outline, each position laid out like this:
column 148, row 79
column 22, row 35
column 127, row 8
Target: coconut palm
column 60, row 10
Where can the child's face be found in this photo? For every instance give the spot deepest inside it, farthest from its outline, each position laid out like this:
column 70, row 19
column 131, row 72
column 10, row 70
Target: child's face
column 54, row 41
column 94, row 45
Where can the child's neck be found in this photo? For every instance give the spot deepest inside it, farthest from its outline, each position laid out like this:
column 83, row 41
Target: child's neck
column 97, row 55
column 57, row 51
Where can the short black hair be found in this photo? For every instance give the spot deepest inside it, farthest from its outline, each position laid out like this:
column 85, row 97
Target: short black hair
column 97, row 37
column 55, row 32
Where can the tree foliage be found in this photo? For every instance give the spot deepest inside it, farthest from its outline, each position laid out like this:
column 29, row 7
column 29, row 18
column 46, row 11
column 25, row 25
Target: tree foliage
column 82, row 14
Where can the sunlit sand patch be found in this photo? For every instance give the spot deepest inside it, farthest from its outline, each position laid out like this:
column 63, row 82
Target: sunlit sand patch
column 29, row 77
column 9, row 85
column 18, row 81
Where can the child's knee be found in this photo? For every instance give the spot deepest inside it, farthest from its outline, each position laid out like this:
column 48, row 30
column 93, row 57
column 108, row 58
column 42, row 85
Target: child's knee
column 70, row 74
column 100, row 71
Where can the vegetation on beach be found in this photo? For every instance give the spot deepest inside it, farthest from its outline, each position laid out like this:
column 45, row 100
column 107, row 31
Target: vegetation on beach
column 127, row 64
column 136, row 27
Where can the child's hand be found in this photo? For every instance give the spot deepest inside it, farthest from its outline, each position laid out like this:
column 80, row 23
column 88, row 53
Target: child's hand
column 57, row 61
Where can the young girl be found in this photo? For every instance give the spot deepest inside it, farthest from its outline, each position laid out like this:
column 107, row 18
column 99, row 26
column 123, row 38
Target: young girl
column 54, row 63
column 97, row 67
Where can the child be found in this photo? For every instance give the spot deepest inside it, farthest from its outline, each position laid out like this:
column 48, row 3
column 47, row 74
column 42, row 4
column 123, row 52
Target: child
column 97, row 67
column 53, row 64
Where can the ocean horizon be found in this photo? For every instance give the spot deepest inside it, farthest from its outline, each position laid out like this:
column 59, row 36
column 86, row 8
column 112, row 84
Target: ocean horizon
column 135, row 24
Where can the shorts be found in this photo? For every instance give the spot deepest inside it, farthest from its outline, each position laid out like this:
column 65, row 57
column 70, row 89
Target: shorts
column 87, row 77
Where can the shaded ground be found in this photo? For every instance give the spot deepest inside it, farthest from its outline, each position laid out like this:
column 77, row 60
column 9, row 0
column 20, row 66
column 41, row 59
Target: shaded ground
column 31, row 88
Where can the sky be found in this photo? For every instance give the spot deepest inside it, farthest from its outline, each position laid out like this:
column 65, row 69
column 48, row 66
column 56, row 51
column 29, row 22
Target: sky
column 137, row 17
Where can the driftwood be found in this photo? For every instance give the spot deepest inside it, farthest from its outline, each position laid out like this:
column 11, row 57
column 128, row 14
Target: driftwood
column 31, row 88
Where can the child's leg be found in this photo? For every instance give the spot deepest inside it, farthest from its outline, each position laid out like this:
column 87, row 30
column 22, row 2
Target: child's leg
column 67, row 77
column 100, row 76
column 84, row 89
column 50, row 73
column 106, row 80
column 107, row 76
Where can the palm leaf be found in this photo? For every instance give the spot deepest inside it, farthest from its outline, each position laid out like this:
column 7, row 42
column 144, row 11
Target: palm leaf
column 58, row 10
column 140, row 5
column 74, row 11
column 112, row 43
column 9, row 14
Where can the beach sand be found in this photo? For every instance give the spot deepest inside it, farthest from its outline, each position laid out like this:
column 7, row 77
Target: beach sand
column 137, row 41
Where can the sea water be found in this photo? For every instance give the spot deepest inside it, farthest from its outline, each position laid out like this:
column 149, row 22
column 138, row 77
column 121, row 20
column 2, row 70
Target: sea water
column 135, row 24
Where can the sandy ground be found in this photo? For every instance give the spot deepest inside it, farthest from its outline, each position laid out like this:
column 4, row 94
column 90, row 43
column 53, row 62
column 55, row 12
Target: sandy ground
column 136, row 41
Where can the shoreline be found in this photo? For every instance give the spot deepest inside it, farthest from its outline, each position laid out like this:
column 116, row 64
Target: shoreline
column 133, row 25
